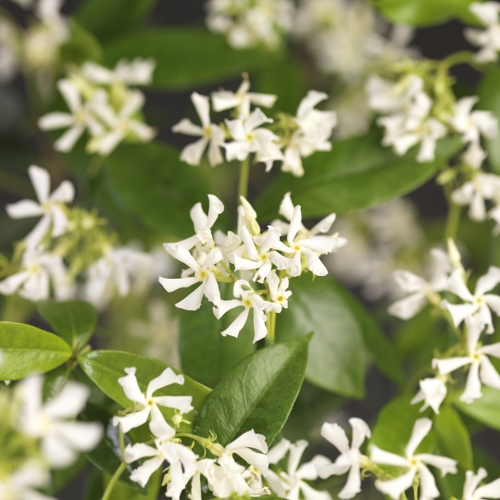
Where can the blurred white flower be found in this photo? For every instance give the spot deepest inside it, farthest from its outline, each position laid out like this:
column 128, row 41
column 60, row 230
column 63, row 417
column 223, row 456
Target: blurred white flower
column 23, row 482
column 472, row 490
column 138, row 71
column 489, row 39
column 432, row 392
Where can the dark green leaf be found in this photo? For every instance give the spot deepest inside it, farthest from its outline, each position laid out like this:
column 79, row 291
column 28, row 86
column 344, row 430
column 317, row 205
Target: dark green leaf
column 258, row 394
column 104, row 368
column 357, row 173
column 26, row 350
column 485, row 410
column 395, row 424
column 206, row 355
column 111, row 18
column 337, row 359
column 187, row 57
column 74, row 321
column 82, row 46
column 489, row 95
column 424, row 12
column 157, row 186
column 54, row 381
column 453, row 437
column 381, row 349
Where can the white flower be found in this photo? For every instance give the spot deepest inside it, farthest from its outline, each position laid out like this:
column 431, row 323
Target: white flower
column 414, row 464
column 211, row 135
column 49, row 206
column 432, row 392
column 203, row 269
column 249, row 300
column 21, row 484
column 62, row 439
column 250, row 138
column 38, row 271
column 138, row 71
column 241, row 99
column 290, row 483
column 80, row 118
column 116, row 271
column 146, row 404
column 478, row 304
column 474, row 193
column 244, row 447
column 488, row 39
column 350, row 457
column 481, row 368
column 474, row 155
column 278, row 289
column 473, row 124
column 472, row 490
column 418, row 288
column 313, row 134
column 121, row 123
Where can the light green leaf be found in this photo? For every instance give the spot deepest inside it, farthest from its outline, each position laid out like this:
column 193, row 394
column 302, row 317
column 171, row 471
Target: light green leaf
column 157, row 187
column 489, row 95
column 485, row 410
column 26, row 350
column 395, row 424
column 206, row 355
column 258, row 394
column 187, row 57
column 73, row 321
column 357, row 173
column 453, row 437
column 424, row 12
column 104, row 368
column 82, row 46
column 337, row 359
column 111, row 18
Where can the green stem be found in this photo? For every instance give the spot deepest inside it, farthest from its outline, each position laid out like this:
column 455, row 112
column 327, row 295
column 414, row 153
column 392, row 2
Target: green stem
column 462, row 57
column 244, row 174
column 271, row 328
column 453, row 221
column 113, row 481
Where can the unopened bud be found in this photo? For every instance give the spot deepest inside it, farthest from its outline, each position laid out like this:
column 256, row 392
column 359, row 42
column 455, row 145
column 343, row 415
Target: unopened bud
column 215, row 449
column 454, row 254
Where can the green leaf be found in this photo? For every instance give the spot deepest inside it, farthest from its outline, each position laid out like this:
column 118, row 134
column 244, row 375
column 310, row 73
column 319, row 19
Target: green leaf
column 73, row 321
column 82, row 46
column 489, row 99
column 111, row 18
column 337, row 360
column 485, row 410
column 380, row 348
column 424, row 12
column 357, row 173
column 453, row 437
column 258, row 394
column 395, row 424
column 187, row 57
column 104, row 368
column 54, row 381
column 26, row 350
column 159, row 189
column 206, row 355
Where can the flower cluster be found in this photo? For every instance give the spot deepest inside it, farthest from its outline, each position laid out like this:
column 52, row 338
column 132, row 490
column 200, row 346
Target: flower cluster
column 413, row 117
column 69, row 252
column 489, row 39
column 262, row 260
column 474, row 310
column 298, row 137
column 250, row 23
column 39, row 436
column 101, row 103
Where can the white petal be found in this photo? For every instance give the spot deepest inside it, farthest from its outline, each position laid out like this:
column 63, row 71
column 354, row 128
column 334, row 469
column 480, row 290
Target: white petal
column 259, row 325
column 428, row 488
column 202, row 108
column 187, row 127
column 445, row 366
column 489, row 281
column 41, row 182
column 360, row 431
column 57, row 453
column 335, row 435
column 234, row 329
column 71, row 94
column 491, row 490
column 409, row 306
column 138, row 451
column 131, row 387
column 159, row 426
column 472, row 386
column 444, row 464
column 132, row 420
column 53, row 121
column 278, row 451
column 396, row 487
column 80, row 436
column 173, row 284
column 66, row 142
column 459, row 312
column 69, row 402
column 385, row 457
column 420, row 430
column 471, row 483
column 457, row 286
column 181, row 403
column 142, row 474
column 10, row 285
column 489, row 376
column 192, row 153
column 24, row 208
column 167, row 377
column 193, row 301
column 312, row 494
column 353, row 484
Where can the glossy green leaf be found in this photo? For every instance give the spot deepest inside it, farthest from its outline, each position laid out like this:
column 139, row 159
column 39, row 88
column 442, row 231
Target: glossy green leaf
column 111, row 18
column 206, row 355
column 357, row 173
column 395, row 424
column 258, row 394
column 187, row 57
column 453, row 437
column 337, row 358
column 485, row 410
column 157, row 187
column 380, row 348
column 104, row 368
column 26, row 350
column 74, row 321
column 423, row 12
column 82, row 46
column 54, row 381
column 489, row 95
